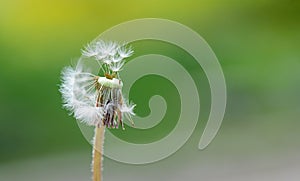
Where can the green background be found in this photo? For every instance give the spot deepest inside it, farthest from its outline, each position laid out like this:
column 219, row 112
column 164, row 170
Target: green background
column 256, row 42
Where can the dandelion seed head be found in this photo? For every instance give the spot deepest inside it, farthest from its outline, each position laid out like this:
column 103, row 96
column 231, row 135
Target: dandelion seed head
column 97, row 99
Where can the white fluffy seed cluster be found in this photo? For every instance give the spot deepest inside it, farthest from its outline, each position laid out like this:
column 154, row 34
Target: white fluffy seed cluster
column 97, row 100
column 111, row 54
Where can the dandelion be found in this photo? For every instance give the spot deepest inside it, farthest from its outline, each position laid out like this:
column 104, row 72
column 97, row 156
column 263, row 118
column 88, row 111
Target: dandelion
column 97, row 100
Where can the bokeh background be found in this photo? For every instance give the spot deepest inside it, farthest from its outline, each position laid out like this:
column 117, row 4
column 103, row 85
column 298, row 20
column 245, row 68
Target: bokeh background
column 256, row 42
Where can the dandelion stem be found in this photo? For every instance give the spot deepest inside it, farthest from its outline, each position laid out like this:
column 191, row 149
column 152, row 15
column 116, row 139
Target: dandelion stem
column 98, row 151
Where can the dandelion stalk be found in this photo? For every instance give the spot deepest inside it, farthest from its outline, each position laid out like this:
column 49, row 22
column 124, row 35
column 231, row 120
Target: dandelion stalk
column 98, row 153
column 97, row 100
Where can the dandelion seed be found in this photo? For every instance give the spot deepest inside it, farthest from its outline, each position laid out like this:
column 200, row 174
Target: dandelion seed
column 116, row 59
column 107, row 48
column 124, row 52
column 116, row 67
column 90, row 50
column 107, row 61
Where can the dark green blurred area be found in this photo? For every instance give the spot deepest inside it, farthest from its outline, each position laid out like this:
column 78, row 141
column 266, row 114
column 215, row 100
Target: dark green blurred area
column 257, row 43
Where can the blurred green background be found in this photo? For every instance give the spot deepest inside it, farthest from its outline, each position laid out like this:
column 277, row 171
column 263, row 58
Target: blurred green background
column 256, row 42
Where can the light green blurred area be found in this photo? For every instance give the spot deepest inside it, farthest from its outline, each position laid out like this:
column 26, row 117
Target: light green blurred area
column 256, row 42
